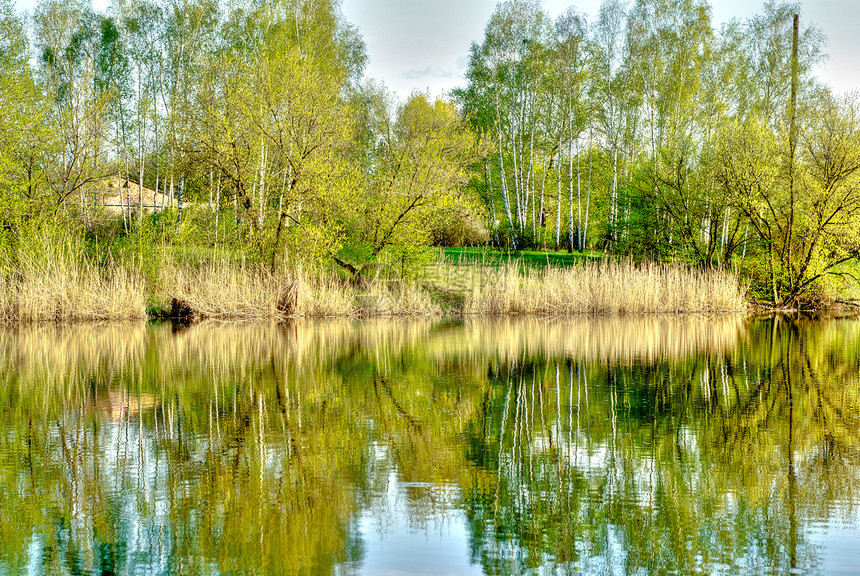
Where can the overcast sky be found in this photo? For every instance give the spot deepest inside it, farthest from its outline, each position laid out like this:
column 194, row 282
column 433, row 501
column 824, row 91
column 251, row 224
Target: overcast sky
column 424, row 44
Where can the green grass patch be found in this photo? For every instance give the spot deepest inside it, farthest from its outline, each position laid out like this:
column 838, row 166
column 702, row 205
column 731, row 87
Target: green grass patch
column 525, row 258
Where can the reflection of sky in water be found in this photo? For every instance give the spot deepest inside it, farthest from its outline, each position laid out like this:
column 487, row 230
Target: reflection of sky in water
column 403, row 550
column 419, row 528
column 396, row 546
column 839, row 548
column 413, row 528
column 405, row 445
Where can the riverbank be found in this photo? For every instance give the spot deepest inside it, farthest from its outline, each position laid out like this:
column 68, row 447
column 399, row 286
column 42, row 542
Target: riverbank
column 65, row 284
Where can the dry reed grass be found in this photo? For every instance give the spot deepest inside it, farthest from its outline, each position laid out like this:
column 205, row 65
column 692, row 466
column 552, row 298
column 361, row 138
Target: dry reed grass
column 53, row 280
column 225, row 290
column 50, row 280
column 222, row 290
column 607, row 288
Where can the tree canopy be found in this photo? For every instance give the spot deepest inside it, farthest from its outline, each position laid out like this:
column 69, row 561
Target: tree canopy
column 645, row 131
column 665, row 138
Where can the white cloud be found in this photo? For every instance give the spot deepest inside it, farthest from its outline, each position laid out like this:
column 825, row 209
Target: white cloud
column 430, row 72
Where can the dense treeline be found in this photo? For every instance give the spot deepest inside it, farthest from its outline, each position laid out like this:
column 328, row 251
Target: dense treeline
column 643, row 131
column 252, row 122
column 647, row 131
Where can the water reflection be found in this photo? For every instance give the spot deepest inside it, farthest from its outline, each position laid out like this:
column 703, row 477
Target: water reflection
column 605, row 446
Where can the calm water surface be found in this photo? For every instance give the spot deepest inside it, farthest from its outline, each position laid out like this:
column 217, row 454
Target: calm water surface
column 595, row 446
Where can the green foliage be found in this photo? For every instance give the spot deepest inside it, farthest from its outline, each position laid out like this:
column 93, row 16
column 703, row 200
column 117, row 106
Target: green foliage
column 805, row 214
column 417, row 168
column 606, row 134
column 25, row 139
column 254, row 132
column 408, row 261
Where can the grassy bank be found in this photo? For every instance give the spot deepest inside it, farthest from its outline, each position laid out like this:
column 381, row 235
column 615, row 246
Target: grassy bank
column 51, row 280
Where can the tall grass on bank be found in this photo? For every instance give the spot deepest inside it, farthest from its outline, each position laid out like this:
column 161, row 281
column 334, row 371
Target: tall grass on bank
column 608, row 287
column 225, row 289
column 51, row 279
column 228, row 290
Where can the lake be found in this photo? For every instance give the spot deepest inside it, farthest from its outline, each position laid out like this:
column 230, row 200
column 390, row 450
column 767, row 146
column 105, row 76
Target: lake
column 647, row 445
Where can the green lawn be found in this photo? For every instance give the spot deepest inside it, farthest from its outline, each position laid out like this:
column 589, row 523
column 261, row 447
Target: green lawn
column 527, row 258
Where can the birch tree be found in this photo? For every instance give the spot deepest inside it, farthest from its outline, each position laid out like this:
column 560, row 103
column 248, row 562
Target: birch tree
column 506, row 93
column 612, row 99
column 572, row 62
column 275, row 124
column 67, row 36
column 25, row 138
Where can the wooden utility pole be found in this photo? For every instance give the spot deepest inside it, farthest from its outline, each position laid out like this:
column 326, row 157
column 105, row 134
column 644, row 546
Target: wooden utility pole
column 792, row 112
column 792, row 147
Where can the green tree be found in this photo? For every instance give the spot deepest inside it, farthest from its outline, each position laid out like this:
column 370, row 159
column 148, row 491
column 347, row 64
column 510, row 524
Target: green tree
column 679, row 215
column 417, row 171
column 276, row 125
column 807, row 233
column 68, row 38
column 573, row 67
column 24, row 135
column 615, row 100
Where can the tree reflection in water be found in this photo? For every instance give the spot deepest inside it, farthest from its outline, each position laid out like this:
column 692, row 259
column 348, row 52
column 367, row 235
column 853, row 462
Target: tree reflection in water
column 650, row 445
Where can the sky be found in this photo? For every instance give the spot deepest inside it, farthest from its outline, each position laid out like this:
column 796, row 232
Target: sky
column 423, row 45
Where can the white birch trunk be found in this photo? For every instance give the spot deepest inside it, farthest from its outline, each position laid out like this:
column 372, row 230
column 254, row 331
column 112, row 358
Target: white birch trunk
column 613, row 202
column 570, row 189
column 492, row 202
column 217, row 207
column 587, row 199
column 578, row 199
column 517, row 195
column 529, row 192
column 141, row 137
column 261, row 192
column 558, row 207
column 505, row 196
